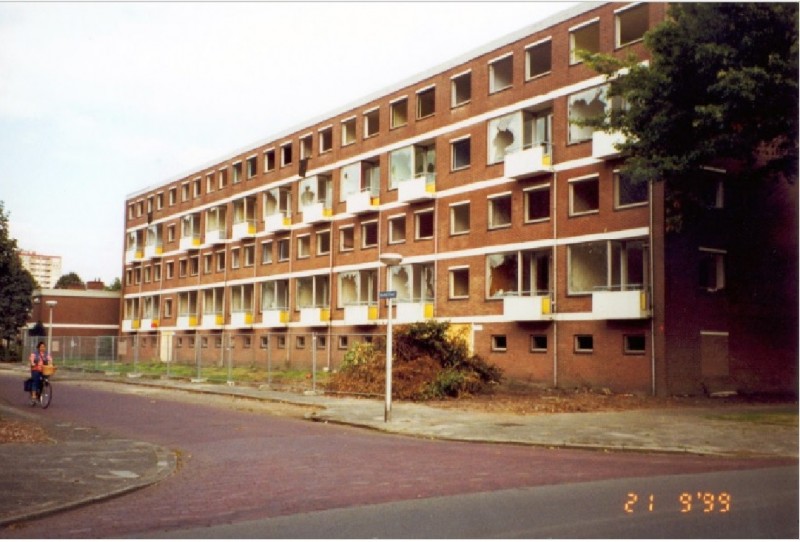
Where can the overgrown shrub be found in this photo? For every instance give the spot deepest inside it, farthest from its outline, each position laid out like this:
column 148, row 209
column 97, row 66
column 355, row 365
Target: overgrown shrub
column 430, row 362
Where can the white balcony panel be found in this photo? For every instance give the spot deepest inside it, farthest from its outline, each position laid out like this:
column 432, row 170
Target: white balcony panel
column 604, row 144
column 315, row 213
column 242, row 319
column 415, row 190
column 215, row 236
column 189, row 243
column 627, row 305
column 527, row 308
column 211, row 321
column 276, row 222
column 245, row 229
column 413, row 312
column 527, row 163
column 275, row 317
column 152, row 251
column 360, row 202
column 360, row 314
column 149, row 323
column 130, row 325
column 187, row 322
column 314, row 316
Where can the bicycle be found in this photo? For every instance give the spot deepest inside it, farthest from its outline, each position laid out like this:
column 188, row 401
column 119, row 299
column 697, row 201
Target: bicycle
column 45, row 394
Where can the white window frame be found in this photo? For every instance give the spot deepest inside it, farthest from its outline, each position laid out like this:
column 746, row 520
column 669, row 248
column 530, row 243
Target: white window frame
column 579, row 180
column 529, row 50
column 490, row 211
column 451, row 274
column 526, row 203
column 455, row 101
column 493, row 65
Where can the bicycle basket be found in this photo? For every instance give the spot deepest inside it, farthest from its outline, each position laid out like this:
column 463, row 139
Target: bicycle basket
column 48, row 370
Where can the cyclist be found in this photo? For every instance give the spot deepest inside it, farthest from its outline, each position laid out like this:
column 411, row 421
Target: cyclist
column 38, row 360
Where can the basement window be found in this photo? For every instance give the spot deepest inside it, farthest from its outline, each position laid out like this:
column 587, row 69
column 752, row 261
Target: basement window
column 459, row 283
column 397, row 229
column 460, row 154
column 371, row 123
column 500, row 211
column 501, row 74
column 499, row 343
column 539, row 59
column 398, row 113
column 461, row 89
column 326, row 139
column 631, row 24
column 634, row 344
column 459, row 218
column 348, row 131
column 286, row 154
column 584, row 196
column 538, row 343
column 584, row 344
column 426, row 102
column 584, row 38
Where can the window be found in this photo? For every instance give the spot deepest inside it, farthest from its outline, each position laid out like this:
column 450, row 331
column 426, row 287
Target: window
column 313, row 292
column 348, row 131
column 582, row 106
column 300, row 342
column 519, row 273
column 194, row 265
column 631, row 24
column 538, row 343
column 269, row 160
column 459, row 283
column 537, row 203
column 426, row 102
column 712, row 188
column 397, row 229
column 346, row 239
column 501, row 73
column 423, row 224
column 159, row 201
column 499, row 343
column 282, row 342
column 500, row 211
column 183, row 266
column 584, row 196
column 504, row 136
column 210, row 185
column 398, row 113
column 369, row 234
column 371, row 123
column 208, row 263
column 249, row 254
column 156, row 272
column 286, row 154
column 265, row 341
column 343, row 342
column 196, row 188
column 607, row 266
column 323, row 242
column 461, row 89
column 412, row 162
column 460, row 154
column 303, row 246
column 584, row 38
column 275, row 295
column 184, row 196
column 168, row 308
column 634, row 344
column 538, row 59
column 221, row 260
column 235, row 260
column 628, row 193
column 222, row 178
column 237, row 172
column 283, row 250
column 252, row 167
column 459, row 218
column 358, row 288
column 325, row 139
column 712, row 269
column 266, row 252
column 584, row 344
column 171, row 233
column 173, row 196
column 305, row 146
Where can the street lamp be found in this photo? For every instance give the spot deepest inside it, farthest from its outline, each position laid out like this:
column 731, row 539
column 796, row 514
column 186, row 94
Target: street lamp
column 389, row 259
column 51, row 304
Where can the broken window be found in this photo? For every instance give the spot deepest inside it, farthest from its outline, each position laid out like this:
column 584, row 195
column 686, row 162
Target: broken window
column 585, row 38
column 398, row 112
column 412, row 162
column 539, row 59
column 501, row 73
column 460, row 154
column 607, row 266
column 582, row 106
column 459, row 218
column 712, row 269
column 369, row 234
column 525, row 272
column 584, row 196
column 397, row 229
column 237, row 172
column 537, row 129
column 459, row 283
column 426, row 102
column 631, row 24
column 313, row 292
column 325, row 139
column 346, row 238
column 537, row 203
column 359, row 177
column 275, row 295
column 348, row 131
column 306, row 146
column 502, row 274
column 461, row 89
column 187, row 304
column 358, row 288
column 500, row 211
column 286, row 154
column 504, row 136
column 413, row 282
column 628, row 193
column 423, row 224
column 278, row 200
column 313, row 190
column 371, row 122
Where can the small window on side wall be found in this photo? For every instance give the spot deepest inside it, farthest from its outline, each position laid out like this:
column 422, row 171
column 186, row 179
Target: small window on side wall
column 499, row 343
column 584, row 344
column 634, row 344
column 538, row 343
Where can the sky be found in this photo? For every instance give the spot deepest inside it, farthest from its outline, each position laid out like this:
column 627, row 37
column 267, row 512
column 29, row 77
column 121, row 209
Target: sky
column 101, row 100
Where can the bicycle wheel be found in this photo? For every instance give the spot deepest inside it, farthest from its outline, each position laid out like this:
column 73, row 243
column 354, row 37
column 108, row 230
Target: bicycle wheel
column 47, row 394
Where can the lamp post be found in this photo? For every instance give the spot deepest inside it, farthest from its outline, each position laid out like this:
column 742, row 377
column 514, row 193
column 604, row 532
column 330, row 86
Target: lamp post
column 51, row 304
column 389, row 259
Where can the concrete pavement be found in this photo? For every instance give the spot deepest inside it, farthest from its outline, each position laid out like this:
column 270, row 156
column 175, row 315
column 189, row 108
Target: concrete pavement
column 82, row 464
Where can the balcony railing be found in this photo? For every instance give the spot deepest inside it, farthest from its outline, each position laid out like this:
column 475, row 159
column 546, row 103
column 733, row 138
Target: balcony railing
column 604, row 144
column 241, row 318
column 149, row 323
column 315, row 316
column 277, row 222
column 629, row 303
column 362, row 202
column 317, row 212
column 215, row 235
column 527, row 163
column 190, row 242
column 133, row 254
column 213, row 320
column 528, row 307
column 187, row 321
column 275, row 317
column 418, row 189
column 413, row 311
column 360, row 314
column 131, row 324
column 153, row 250
column 243, row 229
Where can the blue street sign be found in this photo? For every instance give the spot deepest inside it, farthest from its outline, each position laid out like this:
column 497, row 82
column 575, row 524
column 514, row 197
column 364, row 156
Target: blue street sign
column 388, row 294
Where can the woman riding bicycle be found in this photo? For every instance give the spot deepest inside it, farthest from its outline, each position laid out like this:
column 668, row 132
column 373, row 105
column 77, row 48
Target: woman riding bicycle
column 38, row 360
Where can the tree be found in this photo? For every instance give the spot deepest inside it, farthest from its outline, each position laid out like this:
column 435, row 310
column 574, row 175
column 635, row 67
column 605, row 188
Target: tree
column 115, row 286
column 70, row 280
column 721, row 84
column 16, row 284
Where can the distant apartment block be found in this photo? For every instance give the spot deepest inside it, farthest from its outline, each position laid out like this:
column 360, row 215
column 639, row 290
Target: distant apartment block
column 45, row 269
column 513, row 221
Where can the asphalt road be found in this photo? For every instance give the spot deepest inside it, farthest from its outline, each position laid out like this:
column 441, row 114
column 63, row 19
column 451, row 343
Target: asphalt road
column 240, row 465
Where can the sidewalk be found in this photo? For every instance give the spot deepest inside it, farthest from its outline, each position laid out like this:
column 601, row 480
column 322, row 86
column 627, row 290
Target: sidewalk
column 84, row 465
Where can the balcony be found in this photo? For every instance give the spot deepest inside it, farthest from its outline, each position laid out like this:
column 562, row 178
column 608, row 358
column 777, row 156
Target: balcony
column 315, row 316
column 242, row 318
column 154, row 250
column 620, row 305
column 133, row 254
column 130, row 325
column 359, row 315
column 604, row 144
column 527, row 163
column 316, row 213
column 190, row 242
column 149, row 323
column 188, row 321
column 275, row 317
column 410, row 312
column 277, row 222
column 362, row 202
column 528, row 308
column 215, row 236
column 213, row 320
column 244, row 229
column 417, row 189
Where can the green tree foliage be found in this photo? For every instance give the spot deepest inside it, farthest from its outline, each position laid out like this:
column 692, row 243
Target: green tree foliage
column 16, row 283
column 721, row 84
column 115, row 286
column 70, row 280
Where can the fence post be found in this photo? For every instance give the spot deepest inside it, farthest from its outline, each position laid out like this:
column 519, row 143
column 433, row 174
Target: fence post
column 314, row 362
column 229, row 350
column 197, row 356
column 269, row 360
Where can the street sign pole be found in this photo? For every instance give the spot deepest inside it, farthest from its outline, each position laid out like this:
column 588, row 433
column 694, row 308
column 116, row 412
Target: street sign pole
column 389, row 296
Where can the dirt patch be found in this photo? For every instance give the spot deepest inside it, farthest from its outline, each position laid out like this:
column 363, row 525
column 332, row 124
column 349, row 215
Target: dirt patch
column 21, row 432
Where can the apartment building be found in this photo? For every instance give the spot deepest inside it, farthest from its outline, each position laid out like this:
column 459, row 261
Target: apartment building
column 46, row 270
column 512, row 222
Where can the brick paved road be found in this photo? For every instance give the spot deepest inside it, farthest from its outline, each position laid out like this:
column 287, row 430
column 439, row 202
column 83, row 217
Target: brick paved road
column 239, row 463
